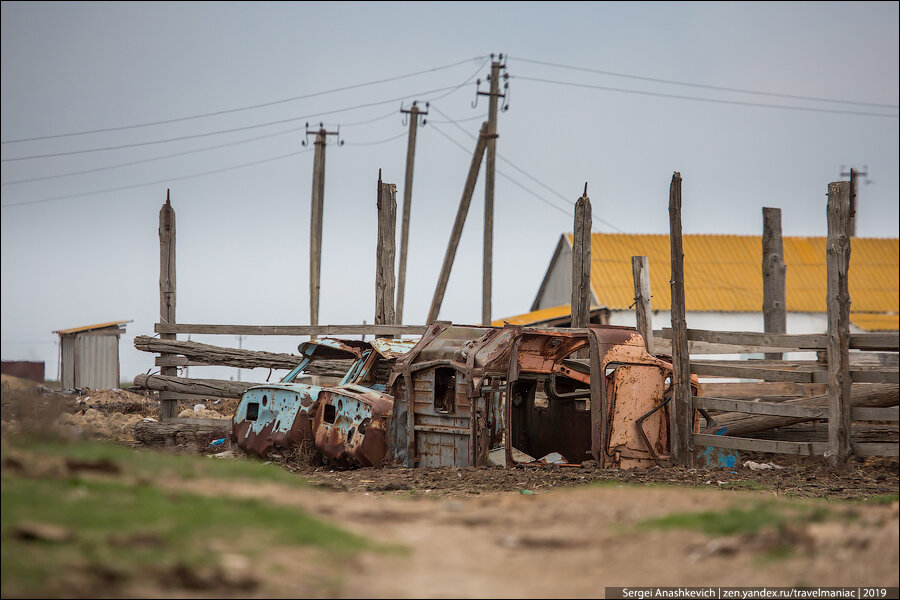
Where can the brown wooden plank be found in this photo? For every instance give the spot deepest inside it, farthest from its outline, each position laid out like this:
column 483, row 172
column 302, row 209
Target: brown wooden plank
column 384, row 254
column 640, row 271
column 581, row 263
column 298, row 330
column 813, row 341
column 876, row 449
column 680, row 411
column 867, row 413
column 167, row 288
column 837, row 301
column 773, row 272
column 861, row 395
column 875, row 376
column 751, row 445
column 761, row 408
column 759, row 389
column 737, row 370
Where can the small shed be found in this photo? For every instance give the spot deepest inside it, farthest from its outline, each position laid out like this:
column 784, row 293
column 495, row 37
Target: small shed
column 89, row 355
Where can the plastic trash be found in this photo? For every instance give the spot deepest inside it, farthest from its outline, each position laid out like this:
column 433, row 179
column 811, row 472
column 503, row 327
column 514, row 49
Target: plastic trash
column 217, row 442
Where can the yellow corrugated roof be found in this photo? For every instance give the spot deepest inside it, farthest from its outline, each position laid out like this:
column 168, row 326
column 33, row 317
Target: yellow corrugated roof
column 723, row 273
column 540, row 316
column 90, row 327
column 876, row 322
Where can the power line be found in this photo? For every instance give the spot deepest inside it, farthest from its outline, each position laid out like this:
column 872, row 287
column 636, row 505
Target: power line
column 523, row 171
column 225, row 145
column 449, row 120
column 232, row 130
column 698, row 99
column 705, row 86
column 155, row 158
column 499, row 172
column 186, row 152
column 399, row 135
column 167, row 180
column 243, row 108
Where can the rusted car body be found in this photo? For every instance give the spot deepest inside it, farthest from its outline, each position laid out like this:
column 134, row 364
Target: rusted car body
column 347, row 423
column 469, row 396
column 567, row 395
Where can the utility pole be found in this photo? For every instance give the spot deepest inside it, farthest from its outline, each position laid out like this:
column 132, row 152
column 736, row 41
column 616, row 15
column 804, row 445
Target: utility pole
column 315, row 226
column 494, row 94
column 853, row 174
column 455, row 234
column 414, row 113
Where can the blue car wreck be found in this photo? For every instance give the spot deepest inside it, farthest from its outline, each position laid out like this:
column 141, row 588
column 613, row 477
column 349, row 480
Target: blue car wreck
column 347, row 423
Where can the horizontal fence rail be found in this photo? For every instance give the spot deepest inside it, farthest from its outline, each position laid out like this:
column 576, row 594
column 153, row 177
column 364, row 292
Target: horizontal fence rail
column 788, row 342
column 196, row 328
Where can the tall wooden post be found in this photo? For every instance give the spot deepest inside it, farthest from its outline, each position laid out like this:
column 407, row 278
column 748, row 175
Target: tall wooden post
column 640, row 270
column 682, row 409
column 488, row 262
column 315, row 227
column 168, row 406
column 384, row 254
column 838, row 302
column 773, row 271
column 581, row 262
column 461, row 213
column 414, row 114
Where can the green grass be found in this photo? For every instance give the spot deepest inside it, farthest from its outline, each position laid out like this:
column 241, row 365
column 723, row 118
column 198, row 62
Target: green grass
column 745, row 484
column 738, row 520
column 882, row 499
column 147, row 463
column 123, row 526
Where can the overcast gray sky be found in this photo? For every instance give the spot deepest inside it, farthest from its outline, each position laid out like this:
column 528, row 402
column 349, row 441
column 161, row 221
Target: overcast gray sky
column 79, row 229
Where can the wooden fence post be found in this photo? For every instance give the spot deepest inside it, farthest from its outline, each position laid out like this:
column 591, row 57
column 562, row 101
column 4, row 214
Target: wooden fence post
column 681, row 408
column 640, row 270
column 773, row 271
column 581, row 263
column 168, row 407
column 384, row 254
column 838, row 302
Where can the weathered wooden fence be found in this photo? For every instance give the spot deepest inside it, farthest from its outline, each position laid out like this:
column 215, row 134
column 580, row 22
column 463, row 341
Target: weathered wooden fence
column 855, row 393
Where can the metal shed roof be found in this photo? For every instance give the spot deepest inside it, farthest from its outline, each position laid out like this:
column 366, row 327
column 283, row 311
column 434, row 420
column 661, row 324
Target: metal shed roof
column 92, row 327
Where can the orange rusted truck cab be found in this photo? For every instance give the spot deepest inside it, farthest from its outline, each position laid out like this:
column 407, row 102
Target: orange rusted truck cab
column 468, row 396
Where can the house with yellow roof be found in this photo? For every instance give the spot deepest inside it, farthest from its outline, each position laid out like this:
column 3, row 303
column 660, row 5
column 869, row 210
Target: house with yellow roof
column 722, row 281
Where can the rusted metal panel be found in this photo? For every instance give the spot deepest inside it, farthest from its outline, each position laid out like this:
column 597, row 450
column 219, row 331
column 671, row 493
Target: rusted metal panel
column 277, row 415
column 351, row 425
column 638, row 390
column 348, row 423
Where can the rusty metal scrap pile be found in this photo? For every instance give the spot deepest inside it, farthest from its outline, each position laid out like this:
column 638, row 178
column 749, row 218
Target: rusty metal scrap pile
column 472, row 396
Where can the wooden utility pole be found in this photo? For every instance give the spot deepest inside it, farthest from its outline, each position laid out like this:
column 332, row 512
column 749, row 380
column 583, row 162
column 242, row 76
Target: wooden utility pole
column 853, row 174
column 384, row 253
column 581, row 262
column 461, row 213
column 838, row 303
column 681, row 407
column 640, row 270
column 773, row 271
column 168, row 405
column 414, row 114
column 315, row 225
column 489, row 171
